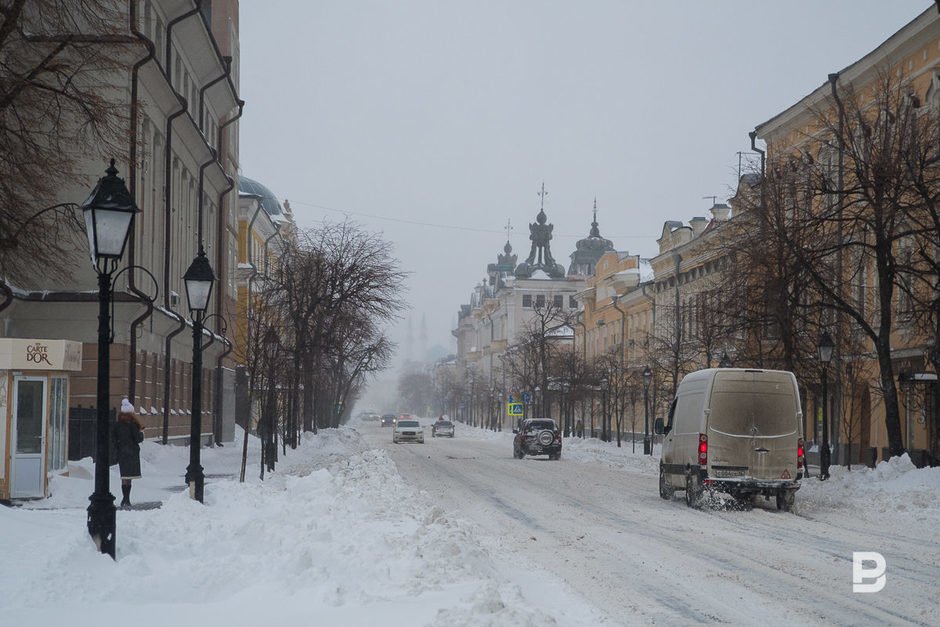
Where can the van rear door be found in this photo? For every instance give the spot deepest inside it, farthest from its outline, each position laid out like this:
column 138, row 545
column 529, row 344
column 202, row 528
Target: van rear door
column 753, row 426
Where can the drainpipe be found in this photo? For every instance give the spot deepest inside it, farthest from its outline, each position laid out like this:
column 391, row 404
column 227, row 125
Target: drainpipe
column 214, row 156
column 169, row 32
column 753, row 136
column 615, row 301
column 220, row 230
column 837, row 395
column 132, row 167
column 167, row 174
column 217, row 416
column 227, row 62
column 168, row 247
column 677, row 326
column 652, row 326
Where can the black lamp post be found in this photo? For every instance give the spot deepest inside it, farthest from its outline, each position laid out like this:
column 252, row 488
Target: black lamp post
column 198, row 279
column 109, row 213
column 825, row 347
column 605, row 434
column 647, row 379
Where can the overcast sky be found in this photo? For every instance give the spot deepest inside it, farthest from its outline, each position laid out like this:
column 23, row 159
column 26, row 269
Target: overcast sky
column 435, row 122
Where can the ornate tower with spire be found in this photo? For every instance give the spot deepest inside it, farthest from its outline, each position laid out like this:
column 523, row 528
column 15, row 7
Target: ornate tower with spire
column 540, row 254
column 589, row 250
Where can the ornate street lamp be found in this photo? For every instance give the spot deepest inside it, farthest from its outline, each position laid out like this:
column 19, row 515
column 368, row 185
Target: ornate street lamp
column 647, row 443
column 825, row 347
column 199, row 279
column 109, row 213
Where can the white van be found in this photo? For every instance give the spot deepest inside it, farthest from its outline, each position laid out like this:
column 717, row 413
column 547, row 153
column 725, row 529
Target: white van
column 734, row 430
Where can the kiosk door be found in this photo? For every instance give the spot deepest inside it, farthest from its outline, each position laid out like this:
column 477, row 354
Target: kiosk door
column 29, row 435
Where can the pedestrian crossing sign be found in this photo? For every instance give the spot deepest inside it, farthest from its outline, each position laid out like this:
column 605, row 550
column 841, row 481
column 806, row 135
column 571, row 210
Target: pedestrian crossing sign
column 515, row 409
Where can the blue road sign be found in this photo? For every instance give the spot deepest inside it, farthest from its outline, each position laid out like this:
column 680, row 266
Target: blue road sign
column 515, row 409
column 526, row 397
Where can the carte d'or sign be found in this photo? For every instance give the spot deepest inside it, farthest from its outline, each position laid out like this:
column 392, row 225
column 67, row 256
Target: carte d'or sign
column 26, row 354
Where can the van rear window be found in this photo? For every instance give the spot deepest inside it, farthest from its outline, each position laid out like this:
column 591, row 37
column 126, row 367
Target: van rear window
column 754, row 404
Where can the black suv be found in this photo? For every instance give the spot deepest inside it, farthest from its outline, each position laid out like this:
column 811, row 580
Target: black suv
column 537, row 436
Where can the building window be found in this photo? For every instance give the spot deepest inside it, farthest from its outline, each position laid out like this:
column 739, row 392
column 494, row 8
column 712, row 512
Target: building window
column 558, row 301
column 58, row 420
column 572, row 302
column 540, row 300
column 527, row 300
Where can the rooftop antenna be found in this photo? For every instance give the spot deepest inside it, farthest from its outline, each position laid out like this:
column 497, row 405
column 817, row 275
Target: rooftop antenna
column 542, row 194
column 714, row 199
column 508, row 228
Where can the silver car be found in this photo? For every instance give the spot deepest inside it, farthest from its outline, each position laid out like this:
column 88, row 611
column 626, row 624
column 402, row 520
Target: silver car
column 408, row 431
column 442, row 428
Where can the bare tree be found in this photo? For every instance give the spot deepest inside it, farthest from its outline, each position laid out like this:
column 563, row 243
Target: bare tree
column 58, row 64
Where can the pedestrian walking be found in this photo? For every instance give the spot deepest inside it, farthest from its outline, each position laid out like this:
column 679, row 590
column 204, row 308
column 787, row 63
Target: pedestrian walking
column 127, row 435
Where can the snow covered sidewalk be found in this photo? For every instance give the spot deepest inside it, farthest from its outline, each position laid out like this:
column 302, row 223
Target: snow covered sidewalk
column 334, row 537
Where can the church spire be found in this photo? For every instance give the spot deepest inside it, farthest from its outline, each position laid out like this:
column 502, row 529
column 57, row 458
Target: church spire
column 595, row 232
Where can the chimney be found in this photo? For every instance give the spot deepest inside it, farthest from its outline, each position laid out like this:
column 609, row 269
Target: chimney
column 698, row 225
column 720, row 212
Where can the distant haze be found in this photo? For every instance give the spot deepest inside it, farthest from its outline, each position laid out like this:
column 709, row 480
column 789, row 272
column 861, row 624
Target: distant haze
column 436, row 122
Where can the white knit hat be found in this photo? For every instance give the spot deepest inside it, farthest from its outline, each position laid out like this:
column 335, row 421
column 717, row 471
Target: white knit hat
column 126, row 407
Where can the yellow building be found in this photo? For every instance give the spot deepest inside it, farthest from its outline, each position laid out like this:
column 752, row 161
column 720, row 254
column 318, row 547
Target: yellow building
column 907, row 63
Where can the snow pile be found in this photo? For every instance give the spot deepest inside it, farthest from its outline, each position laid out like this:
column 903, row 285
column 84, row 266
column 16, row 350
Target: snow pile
column 893, row 485
column 334, row 537
column 609, row 454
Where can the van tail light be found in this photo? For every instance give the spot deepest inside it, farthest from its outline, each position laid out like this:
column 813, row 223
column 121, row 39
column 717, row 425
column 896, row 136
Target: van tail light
column 702, row 449
column 799, row 454
column 558, row 437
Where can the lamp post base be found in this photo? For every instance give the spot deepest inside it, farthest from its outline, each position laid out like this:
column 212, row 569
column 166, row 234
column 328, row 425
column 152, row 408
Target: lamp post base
column 196, row 481
column 102, row 522
column 647, row 446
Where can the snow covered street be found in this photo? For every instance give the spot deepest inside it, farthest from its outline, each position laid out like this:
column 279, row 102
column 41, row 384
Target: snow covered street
column 595, row 520
column 353, row 530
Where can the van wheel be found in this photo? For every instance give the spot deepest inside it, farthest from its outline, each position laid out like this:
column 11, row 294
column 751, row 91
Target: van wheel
column 665, row 491
column 785, row 500
column 693, row 492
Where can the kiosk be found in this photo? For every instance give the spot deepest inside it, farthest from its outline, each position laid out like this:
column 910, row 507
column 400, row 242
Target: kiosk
column 34, row 395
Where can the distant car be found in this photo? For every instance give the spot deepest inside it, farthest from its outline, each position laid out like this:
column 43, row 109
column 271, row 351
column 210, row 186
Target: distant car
column 537, row 436
column 442, row 428
column 388, row 420
column 408, row 431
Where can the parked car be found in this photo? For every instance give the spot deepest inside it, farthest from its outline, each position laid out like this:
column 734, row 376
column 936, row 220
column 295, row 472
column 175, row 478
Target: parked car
column 734, row 430
column 442, row 428
column 537, row 436
column 408, row 431
column 388, row 420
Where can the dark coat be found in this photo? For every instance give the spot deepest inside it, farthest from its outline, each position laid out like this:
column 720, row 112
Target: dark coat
column 127, row 439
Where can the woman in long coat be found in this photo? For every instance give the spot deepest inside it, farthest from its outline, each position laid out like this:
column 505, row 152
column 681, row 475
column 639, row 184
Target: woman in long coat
column 128, row 434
